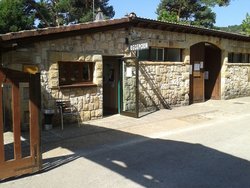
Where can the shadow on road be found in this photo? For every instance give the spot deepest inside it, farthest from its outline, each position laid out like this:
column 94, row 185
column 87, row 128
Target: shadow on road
column 151, row 162
column 156, row 162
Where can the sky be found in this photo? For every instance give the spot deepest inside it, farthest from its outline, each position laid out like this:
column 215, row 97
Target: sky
column 233, row 14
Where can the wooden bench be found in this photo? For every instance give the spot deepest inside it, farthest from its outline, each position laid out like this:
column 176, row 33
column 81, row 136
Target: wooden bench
column 66, row 109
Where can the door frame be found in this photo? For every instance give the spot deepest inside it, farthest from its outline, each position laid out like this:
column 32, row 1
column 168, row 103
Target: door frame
column 201, row 57
column 32, row 163
column 115, row 59
column 135, row 113
column 120, row 91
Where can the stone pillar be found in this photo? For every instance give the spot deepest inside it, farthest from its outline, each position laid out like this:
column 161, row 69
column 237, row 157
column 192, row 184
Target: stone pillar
column 224, row 61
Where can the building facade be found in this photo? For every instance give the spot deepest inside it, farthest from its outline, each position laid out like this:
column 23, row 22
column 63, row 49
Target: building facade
column 131, row 65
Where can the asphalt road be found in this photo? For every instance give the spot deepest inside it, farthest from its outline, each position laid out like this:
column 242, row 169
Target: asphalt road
column 212, row 154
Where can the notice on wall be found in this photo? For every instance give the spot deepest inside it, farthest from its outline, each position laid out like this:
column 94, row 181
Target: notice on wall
column 201, row 64
column 197, row 66
column 129, row 72
column 206, row 76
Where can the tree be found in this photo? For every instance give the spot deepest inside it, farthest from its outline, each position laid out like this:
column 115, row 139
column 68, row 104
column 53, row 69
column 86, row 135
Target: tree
column 217, row 2
column 51, row 12
column 165, row 15
column 195, row 12
column 83, row 10
column 246, row 25
column 204, row 17
column 64, row 12
column 231, row 28
column 16, row 15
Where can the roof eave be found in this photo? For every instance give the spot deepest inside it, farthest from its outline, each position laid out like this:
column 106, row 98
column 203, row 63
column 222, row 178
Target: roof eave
column 176, row 27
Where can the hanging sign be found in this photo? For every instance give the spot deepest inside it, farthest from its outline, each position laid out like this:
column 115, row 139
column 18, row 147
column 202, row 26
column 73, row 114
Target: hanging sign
column 140, row 46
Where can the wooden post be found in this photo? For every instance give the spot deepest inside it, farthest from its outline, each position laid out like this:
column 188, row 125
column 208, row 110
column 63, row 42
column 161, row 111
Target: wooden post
column 16, row 121
column 1, row 122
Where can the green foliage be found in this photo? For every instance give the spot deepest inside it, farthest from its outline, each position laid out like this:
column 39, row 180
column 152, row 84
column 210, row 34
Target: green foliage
column 194, row 12
column 15, row 15
column 231, row 28
column 216, row 2
column 82, row 10
column 246, row 25
column 63, row 12
column 204, row 17
column 167, row 16
column 244, row 28
column 52, row 12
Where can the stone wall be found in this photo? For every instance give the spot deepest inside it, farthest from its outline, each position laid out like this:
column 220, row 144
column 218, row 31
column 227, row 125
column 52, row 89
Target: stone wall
column 87, row 99
column 46, row 54
column 163, row 84
column 159, row 82
column 129, row 85
column 229, row 80
column 237, row 80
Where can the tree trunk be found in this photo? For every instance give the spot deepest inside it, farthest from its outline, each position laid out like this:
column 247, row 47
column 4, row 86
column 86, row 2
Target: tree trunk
column 178, row 14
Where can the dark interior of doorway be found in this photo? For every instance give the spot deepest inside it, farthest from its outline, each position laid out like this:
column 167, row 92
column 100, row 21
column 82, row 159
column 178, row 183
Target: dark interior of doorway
column 111, row 85
column 212, row 69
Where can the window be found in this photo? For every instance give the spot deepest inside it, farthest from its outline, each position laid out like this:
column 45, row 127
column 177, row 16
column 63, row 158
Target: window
column 157, row 54
column 143, row 54
column 238, row 57
column 230, row 57
column 245, row 58
column 160, row 54
column 74, row 73
column 173, row 54
column 26, row 92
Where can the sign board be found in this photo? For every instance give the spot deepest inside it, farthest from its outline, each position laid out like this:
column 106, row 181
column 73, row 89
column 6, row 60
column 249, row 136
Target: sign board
column 197, row 67
column 141, row 46
column 206, row 75
column 129, row 72
column 32, row 69
column 202, row 64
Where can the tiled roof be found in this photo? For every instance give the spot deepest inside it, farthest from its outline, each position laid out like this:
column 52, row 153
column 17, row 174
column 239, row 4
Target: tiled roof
column 62, row 29
column 57, row 32
column 178, row 27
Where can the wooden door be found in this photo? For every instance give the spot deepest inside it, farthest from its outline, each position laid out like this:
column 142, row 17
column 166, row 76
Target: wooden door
column 197, row 85
column 19, row 151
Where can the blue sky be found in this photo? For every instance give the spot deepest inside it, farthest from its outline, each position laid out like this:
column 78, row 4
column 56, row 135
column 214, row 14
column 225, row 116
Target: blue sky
column 230, row 15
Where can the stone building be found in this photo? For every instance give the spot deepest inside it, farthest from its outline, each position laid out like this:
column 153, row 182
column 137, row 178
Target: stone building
column 131, row 65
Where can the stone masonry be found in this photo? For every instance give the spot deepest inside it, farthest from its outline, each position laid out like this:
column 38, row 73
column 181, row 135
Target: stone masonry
column 159, row 82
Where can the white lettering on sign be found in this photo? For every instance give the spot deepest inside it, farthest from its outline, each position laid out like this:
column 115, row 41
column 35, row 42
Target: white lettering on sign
column 141, row 46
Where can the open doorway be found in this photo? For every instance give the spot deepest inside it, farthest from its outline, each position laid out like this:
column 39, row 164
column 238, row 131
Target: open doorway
column 205, row 80
column 111, row 85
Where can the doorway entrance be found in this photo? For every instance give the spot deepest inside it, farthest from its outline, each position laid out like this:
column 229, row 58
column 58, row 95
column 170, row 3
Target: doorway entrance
column 19, row 146
column 111, row 85
column 205, row 80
